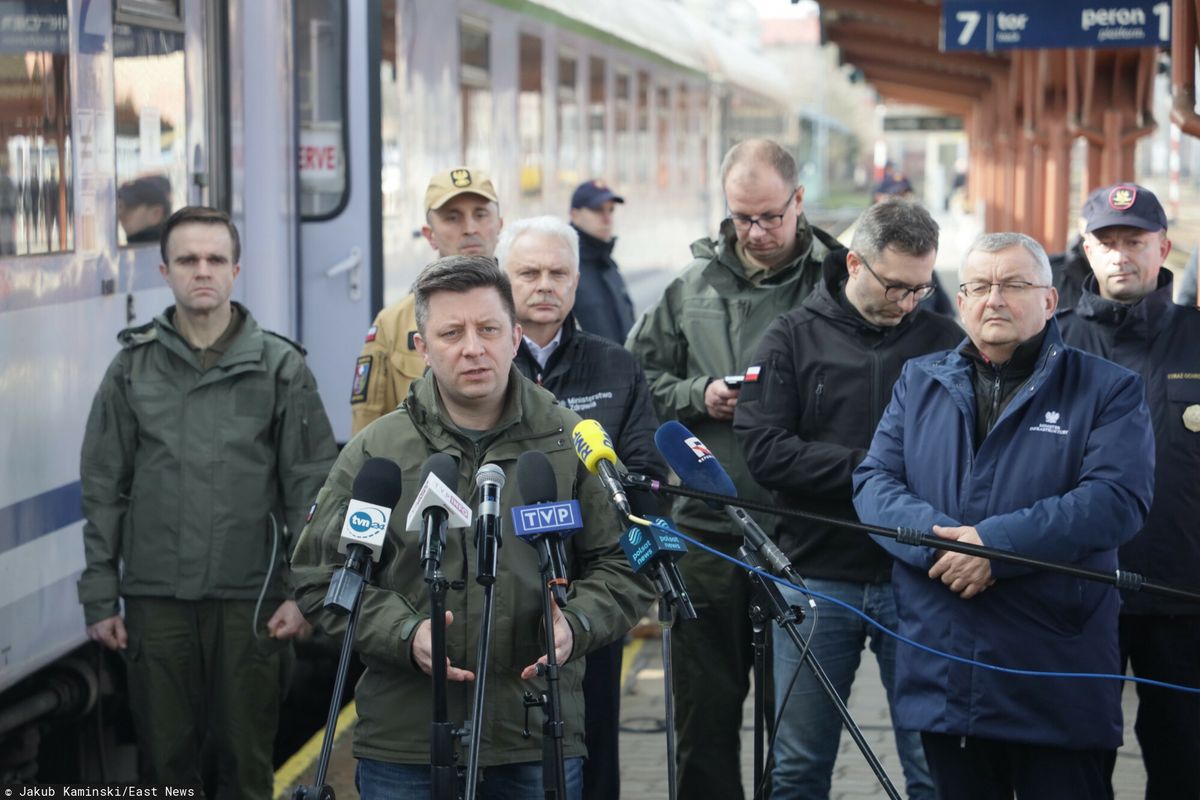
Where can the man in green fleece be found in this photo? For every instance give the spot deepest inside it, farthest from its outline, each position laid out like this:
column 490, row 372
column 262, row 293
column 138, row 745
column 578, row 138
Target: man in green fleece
column 707, row 326
column 205, row 445
column 474, row 405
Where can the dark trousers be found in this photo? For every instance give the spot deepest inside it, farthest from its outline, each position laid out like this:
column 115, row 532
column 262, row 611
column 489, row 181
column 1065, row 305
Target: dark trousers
column 198, row 677
column 712, row 656
column 1166, row 648
column 973, row 768
column 602, row 722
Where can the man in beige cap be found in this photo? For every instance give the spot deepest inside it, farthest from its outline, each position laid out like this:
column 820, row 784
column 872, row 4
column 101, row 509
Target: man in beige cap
column 462, row 217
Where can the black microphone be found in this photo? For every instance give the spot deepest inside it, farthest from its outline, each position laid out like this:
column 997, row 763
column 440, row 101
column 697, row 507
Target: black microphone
column 376, row 491
column 654, row 550
column 699, row 469
column 543, row 521
column 489, row 480
column 437, row 508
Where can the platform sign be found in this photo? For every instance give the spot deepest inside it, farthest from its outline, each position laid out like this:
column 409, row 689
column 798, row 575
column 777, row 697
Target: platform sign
column 990, row 25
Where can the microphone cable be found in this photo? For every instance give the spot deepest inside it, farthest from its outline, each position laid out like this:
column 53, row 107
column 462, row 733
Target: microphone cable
column 1033, row 673
column 262, row 593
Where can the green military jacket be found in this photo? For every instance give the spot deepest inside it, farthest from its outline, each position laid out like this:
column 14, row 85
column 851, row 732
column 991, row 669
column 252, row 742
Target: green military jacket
column 189, row 476
column 605, row 599
column 707, row 325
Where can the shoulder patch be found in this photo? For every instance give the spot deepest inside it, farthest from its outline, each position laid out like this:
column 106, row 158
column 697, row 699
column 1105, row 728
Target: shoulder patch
column 362, row 378
column 135, row 337
column 292, row 342
column 371, row 332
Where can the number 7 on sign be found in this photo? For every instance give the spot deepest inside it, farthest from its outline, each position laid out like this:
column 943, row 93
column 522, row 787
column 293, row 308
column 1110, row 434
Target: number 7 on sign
column 970, row 21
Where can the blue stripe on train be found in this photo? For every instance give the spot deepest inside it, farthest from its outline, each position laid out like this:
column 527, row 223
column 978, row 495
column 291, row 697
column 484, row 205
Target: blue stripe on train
column 39, row 515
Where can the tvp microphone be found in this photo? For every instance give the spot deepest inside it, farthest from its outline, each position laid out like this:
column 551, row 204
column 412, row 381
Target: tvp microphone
column 699, row 469
column 373, row 495
column 654, row 550
column 435, row 508
column 489, row 480
column 543, row 521
column 595, row 450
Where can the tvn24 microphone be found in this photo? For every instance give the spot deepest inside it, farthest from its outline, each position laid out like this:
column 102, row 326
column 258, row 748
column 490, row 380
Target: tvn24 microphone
column 489, row 480
column 595, row 450
column 544, row 521
column 699, row 469
column 654, row 550
column 437, row 508
column 376, row 490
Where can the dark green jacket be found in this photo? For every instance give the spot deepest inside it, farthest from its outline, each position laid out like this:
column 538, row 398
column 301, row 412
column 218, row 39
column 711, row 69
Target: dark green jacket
column 183, row 470
column 708, row 325
column 394, row 696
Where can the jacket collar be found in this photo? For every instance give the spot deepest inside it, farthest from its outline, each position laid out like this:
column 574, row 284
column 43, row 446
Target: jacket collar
column 725, row 269
column 246, row 348
column 591, row 244
column 429, row 415
column 1145, row 318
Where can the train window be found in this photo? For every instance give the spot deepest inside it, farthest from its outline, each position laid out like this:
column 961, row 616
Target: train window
column 36, row 192
column 662, row 114
column 147, row 11
column 321, row 107
column 151, row 130
column 568, row 122
column 475, row 83
column 595, row 117
column 624, row 128
column 529, row 116
column 645, row 147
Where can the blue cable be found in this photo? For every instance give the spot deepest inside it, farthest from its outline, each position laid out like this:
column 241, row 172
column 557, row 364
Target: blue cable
column 926, row 648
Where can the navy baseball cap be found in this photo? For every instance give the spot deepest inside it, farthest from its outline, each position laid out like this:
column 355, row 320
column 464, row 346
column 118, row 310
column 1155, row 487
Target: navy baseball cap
column 593, row 194
column 1124, row 204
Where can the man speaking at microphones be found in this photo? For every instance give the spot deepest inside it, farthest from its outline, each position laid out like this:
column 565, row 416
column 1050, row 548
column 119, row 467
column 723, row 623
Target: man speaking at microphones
column 473, row 406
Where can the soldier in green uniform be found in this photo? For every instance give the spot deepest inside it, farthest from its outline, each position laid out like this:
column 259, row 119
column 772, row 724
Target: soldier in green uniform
column 205, row 446
column 474, row 405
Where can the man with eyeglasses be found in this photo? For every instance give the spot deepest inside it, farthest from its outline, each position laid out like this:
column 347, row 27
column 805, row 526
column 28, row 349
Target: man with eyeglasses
column 1125, row 314
column 1021, row 443
column 823, row 375
column 695, row 345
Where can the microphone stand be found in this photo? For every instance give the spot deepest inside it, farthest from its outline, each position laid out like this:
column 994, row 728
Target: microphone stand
column 768, row 603
column 343, row 597
column 443, row 775
column 1122, row 579
column 487, row 547
column 554, row 776
column 670, row 597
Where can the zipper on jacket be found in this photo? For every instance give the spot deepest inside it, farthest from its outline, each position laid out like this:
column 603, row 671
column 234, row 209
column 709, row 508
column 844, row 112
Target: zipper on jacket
column 995, row 403
column 820, row 391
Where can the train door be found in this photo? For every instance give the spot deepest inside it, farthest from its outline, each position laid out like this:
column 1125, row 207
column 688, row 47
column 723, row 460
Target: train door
column 338, row 188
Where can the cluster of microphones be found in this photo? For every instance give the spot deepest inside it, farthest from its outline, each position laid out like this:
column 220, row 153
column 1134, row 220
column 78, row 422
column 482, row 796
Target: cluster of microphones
column 542, row 520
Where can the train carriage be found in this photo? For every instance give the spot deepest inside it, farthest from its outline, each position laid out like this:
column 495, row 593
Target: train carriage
column 316, row 123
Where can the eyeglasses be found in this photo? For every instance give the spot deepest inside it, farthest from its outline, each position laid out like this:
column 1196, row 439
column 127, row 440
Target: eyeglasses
column 980, row 289
column 768, row 222
column 898, row 292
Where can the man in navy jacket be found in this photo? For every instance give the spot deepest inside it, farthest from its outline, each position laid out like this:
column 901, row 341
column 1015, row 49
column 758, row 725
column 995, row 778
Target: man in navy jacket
column 1020, row 443
column 1125, row 314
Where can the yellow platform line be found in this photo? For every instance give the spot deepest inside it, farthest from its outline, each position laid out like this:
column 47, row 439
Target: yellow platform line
column 631, row 650
column 303, row 759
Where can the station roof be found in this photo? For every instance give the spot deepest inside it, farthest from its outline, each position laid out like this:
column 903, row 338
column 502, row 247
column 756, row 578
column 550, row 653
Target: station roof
column 895, row 44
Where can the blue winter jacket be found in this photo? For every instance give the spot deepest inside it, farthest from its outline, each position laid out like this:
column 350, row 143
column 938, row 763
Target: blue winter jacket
column 1065, row 475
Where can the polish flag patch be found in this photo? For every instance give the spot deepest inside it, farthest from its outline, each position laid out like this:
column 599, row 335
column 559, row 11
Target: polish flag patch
column 752, row 374
column 371, row 331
